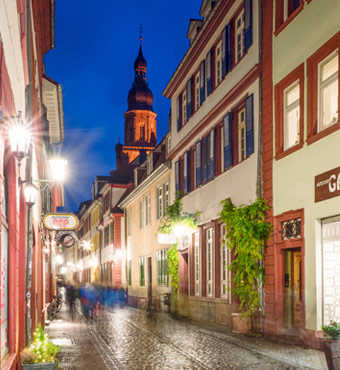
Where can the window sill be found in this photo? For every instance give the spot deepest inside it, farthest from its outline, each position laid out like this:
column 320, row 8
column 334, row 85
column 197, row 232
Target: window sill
column 288, row 20
column 323, row 133
column 291, row 150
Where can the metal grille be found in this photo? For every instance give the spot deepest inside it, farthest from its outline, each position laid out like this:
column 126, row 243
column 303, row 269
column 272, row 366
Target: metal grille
column 291, row 229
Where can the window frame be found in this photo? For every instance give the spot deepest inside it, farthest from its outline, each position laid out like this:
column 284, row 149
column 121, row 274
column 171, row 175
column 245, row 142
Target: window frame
column 147, row 220
column 239, row 14
column 197, row 90
column 295, row 76
column 209, row 245
column 280, row 22
column 313, row 63
column 224, row 269
column 184, row 107
column 218, row 58
column 197, row 264
column 241, row 126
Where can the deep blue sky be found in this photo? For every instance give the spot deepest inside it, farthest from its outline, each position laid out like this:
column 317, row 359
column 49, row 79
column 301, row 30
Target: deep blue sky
column 96, row 44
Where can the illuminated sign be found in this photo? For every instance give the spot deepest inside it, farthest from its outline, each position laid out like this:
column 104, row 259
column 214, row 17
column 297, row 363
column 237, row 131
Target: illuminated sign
column 61, row 221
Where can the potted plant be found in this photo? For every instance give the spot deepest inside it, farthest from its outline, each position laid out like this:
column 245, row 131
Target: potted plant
column 41, row 354
column 246, row 233
column 331, row 344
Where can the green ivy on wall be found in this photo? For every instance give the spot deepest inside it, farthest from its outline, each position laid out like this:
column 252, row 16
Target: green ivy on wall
column 246, row 233
column 174, row 217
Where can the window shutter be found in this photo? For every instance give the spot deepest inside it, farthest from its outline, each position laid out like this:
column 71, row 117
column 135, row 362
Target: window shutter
column 202, row 82
column 198, row 152
column 205, row 153
column 249, row 107
column 208, row 64
column 226, row 50
column 211, row 155
column 248, row 24
column 177, row 176
column 186, row 172
column 188, row 95
column 178, row 113
column 227, row 141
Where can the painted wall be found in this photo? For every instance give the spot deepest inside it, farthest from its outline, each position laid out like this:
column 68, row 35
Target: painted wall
column 293, row 175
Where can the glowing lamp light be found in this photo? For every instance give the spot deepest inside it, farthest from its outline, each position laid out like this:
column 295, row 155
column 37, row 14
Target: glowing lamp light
column 80, row 265
column 86, row 245
column 70, row 264
column 59, row 259
column 93, row 262
column 179, row 231
column 20, row 139
column 63, row 270
column 58, row 169
column 46, row 250
column 30, row 193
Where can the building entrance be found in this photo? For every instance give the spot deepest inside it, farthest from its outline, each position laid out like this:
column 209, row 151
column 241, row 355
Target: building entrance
column 292, row 288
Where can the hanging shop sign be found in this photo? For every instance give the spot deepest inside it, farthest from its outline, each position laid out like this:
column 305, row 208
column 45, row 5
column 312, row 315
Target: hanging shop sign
column 66, row 238
column 61, row 221
column 327, row 185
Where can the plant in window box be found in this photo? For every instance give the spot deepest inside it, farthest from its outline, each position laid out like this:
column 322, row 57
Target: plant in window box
column 331, row 344
column 41, row 354
column 246, row 233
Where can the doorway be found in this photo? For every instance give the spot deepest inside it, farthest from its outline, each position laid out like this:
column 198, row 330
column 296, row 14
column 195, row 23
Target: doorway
column 149, row 283
column 292, row 288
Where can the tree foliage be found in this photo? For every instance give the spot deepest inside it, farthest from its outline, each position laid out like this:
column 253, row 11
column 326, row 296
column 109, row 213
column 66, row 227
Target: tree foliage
column 246, row 233
column 173, row 268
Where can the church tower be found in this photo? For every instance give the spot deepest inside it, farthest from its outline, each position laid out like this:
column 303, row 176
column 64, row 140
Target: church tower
column 140, row 119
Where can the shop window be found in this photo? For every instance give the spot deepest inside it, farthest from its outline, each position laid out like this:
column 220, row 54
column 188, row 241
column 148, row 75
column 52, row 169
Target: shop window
column 225, row 263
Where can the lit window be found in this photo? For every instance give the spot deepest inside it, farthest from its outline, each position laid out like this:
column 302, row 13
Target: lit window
column 197, row 264
column 241, row 135
column 328, row 92
column 166, row 196
column 162, row 267
column 160, row 202
column 197, row 91
column 147, row 210
column 291, row 115
column 184, row 107
column 239, row 36
column 218, row 63
column 209, row 249
column 141, row 218
column 141, row 271
column 225, row 261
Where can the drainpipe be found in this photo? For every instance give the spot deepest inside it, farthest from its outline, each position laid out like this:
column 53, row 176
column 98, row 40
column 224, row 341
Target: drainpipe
column 259, row 154
column 29, row 226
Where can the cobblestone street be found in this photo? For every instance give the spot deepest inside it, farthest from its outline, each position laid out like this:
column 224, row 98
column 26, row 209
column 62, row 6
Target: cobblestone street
column 134, row 339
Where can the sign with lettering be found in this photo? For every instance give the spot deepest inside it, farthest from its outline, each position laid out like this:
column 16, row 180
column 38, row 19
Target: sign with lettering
column 327, row 185
column 61, row 221
column 66, row 238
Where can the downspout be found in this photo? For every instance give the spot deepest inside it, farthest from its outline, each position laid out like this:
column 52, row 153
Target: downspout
column 29, row 226
column 259, row 159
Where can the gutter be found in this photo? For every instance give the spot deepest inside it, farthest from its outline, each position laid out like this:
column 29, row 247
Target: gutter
column 52, row 24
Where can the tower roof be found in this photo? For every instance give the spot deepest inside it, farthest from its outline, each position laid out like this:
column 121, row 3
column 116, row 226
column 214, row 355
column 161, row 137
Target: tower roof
column 140, row 96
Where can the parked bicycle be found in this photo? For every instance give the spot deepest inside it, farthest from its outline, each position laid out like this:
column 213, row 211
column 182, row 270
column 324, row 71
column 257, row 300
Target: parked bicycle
column 54, row 307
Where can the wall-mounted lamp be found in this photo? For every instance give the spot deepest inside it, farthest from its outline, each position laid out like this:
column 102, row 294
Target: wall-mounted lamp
column 20, row 138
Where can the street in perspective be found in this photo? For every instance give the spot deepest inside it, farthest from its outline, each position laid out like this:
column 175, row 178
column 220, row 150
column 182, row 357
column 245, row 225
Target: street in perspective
column 169, row 184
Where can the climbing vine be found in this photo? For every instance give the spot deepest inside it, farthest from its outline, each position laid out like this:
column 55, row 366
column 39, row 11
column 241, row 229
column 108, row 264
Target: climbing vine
column 246, row 233
column 173, row 268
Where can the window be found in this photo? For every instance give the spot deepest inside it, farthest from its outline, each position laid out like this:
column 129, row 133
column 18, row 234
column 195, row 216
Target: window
column 106, row 202
column 198, row 163
column 147, row 210
column 239, row 36
column 218, row 63
column 178, row 112
column 209, row 249
column 208, row 61
column 186, row 172
column 166, row 196
column 323, row 90
column 160, row 202
column 188, row 99
column 177, row 177
column 328, row 91
column 291, row 115
column 197, row 91
column 241, row 135
column 202, row 82
column 225, row 262
column 289, row 112
column 130, row 272
column 128, row 222
column 141, row 271
column 141, row 213
column 162, row 267
column 197, row 263
column 112, row 236
column 285, row 11
column 184, row 108
column 211, row 154
column 106, row 236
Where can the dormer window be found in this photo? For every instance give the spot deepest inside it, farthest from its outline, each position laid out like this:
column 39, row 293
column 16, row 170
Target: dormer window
column 149, row 163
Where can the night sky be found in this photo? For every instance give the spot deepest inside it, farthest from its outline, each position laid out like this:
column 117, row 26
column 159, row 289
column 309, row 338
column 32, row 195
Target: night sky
column 96, row 44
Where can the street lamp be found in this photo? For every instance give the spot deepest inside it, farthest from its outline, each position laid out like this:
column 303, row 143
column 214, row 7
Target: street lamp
column 20, row 138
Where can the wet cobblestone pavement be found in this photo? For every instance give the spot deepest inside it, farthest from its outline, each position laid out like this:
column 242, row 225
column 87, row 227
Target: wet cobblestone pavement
column 130, row 339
